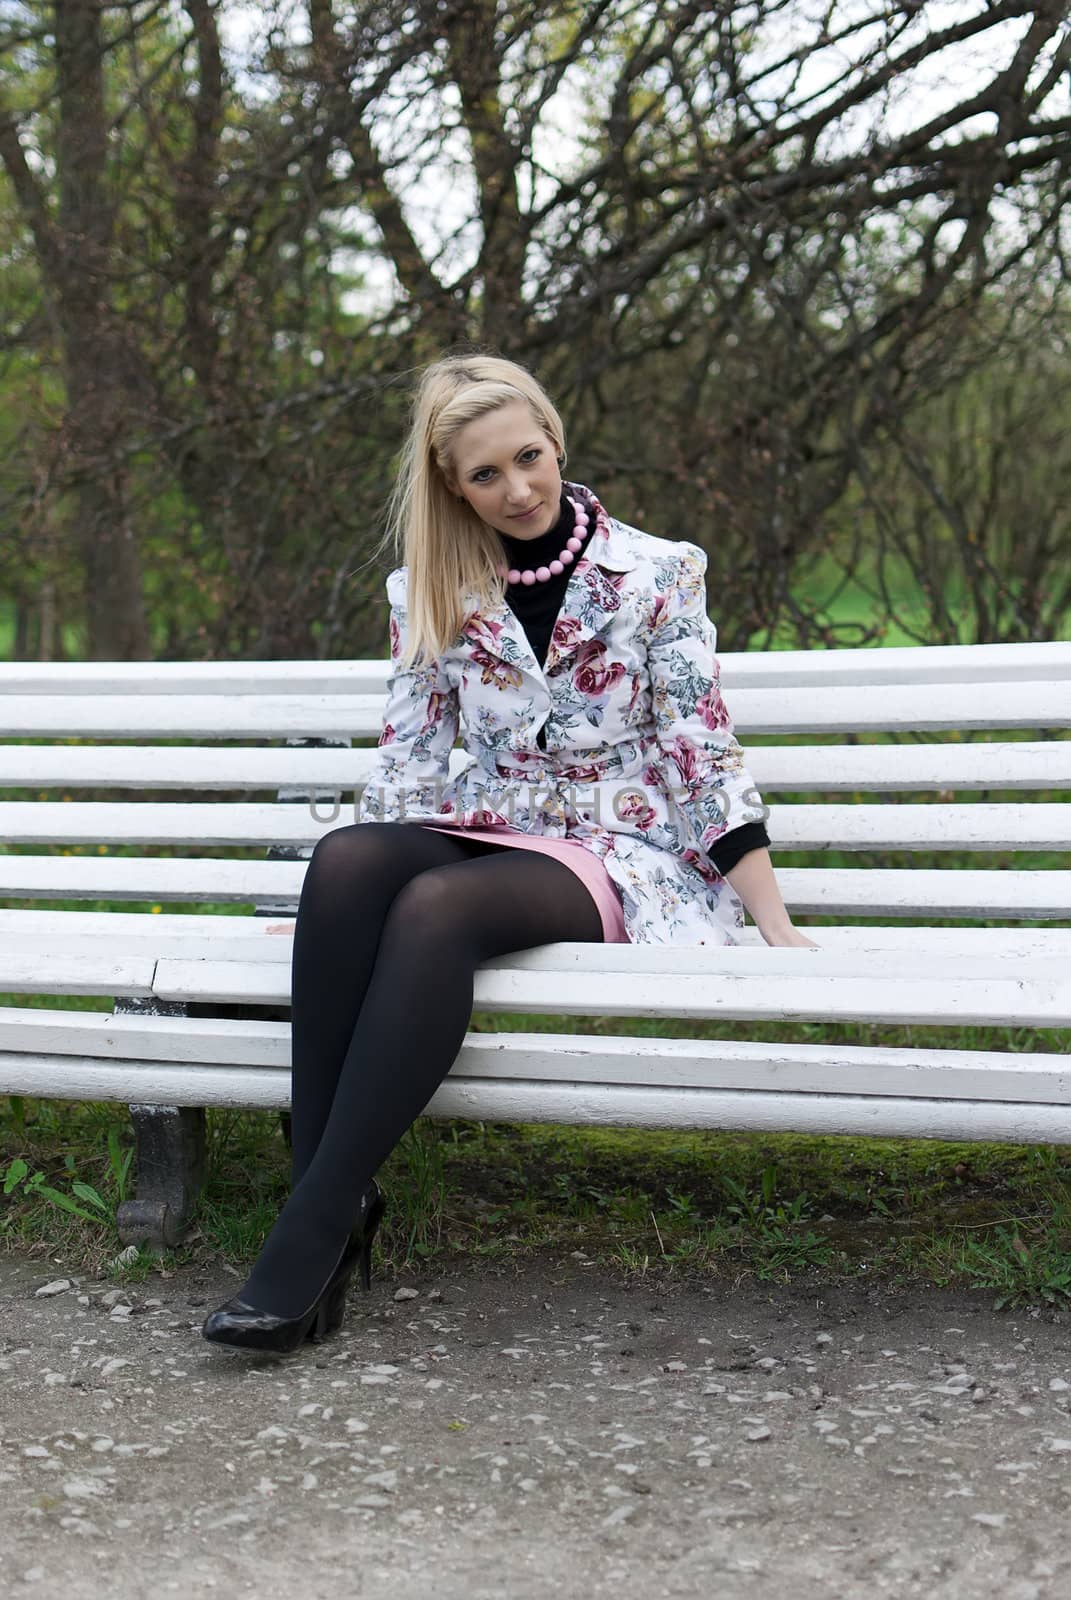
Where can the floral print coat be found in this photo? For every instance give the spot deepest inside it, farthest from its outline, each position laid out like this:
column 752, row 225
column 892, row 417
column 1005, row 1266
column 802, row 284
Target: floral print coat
column 621, row 741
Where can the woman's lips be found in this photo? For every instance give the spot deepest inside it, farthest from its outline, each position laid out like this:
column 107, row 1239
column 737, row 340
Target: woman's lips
column 523, row 516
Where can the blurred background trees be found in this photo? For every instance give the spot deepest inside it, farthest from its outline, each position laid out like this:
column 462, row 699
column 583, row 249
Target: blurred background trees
column 794, row 271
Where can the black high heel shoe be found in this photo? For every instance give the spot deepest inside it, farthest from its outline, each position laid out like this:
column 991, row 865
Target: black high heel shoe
column 358, row 1254
column 238, row 1323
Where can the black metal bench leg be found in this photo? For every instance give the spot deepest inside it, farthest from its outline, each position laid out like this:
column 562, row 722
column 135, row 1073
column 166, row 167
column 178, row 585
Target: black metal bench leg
column 170, row 1157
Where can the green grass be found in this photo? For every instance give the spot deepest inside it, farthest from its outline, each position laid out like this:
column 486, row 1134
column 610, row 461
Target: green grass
column 716, row 1204
column 852, row 606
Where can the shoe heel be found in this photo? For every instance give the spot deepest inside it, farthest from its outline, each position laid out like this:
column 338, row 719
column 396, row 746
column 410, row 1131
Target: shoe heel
column 364, row 1265
column 331, row 1314
column 371, row 1227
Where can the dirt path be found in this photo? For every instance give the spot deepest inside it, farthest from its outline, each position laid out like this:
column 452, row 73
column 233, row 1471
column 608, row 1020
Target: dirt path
column 543, row 1430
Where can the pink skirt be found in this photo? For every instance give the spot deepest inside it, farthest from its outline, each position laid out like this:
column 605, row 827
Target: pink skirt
column 587, row 867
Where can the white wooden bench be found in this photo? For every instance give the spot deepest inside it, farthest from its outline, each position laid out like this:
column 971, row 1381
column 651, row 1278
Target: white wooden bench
column 200, row 1001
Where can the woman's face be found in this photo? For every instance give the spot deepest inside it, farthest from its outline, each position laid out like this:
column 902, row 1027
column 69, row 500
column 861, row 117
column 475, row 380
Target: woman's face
column 505, row 466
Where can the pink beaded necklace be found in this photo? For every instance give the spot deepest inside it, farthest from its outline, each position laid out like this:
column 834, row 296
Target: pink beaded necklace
column 553, row 568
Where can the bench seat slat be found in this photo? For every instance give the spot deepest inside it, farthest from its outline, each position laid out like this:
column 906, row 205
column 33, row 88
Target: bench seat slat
column 1038, row 997
column 776, row 990
column 509, row 1099
column 1007, row 1002
column 837, row 709
column 198, row 1042
column 76, row 973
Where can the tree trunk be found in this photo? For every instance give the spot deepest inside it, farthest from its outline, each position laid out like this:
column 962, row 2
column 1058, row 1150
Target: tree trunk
column 96, row 364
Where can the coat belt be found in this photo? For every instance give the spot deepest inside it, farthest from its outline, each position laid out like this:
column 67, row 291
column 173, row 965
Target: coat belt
column 606, row 765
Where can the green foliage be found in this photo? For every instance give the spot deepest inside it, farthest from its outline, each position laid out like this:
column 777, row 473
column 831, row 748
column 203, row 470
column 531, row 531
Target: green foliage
column 862, row 423
column 77, row 1165
column 18, row 1175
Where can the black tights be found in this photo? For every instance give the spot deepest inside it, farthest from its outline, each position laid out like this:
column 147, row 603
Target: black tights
column 393, row 921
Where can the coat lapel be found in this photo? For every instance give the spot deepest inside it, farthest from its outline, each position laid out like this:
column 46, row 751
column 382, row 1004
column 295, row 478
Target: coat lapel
column 591, row 598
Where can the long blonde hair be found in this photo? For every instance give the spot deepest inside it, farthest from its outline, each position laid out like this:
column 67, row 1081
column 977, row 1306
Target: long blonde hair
column 449, row 550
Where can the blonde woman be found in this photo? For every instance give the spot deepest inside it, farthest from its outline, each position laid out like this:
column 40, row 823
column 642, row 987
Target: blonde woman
column 604, row 798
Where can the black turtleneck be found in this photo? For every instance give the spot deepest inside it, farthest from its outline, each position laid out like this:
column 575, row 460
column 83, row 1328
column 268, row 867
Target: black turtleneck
column 536, row 607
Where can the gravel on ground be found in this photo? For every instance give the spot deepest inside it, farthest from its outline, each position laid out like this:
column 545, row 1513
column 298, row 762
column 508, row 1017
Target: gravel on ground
column 539, row 1428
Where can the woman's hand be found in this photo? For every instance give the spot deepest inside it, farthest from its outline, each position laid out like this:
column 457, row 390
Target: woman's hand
column 791, row 936
column 753, row 880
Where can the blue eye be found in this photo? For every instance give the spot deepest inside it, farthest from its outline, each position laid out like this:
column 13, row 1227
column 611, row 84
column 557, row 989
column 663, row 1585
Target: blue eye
column 478, row 477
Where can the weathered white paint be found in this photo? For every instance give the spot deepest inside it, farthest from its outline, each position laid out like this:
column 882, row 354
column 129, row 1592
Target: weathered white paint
column 832, row 891
column 39, row 972
column 608, row 1105
column 870, row 708
column 900, row 826
column 881, row 972
column 209, row 1042
column 939, row 765
column 565, row 961
column 882, row 989
column 246, row 716
column 907, row 892
column 1002, row 663
column 270, row 938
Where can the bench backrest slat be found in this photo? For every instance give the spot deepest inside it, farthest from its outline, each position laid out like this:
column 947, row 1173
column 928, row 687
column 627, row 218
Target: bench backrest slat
column 881, row 768
column 260, row 938
column 751, row 669
column 899, row 708
column 791, row 827
column 983, row 893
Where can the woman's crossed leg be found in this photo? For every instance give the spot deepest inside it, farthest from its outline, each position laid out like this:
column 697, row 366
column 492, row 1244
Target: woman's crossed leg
column 394, row 919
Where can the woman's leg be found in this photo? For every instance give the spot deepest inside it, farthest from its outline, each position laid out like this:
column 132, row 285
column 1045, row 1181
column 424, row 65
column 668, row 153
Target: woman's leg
column 349, row 887
column 441, row 925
